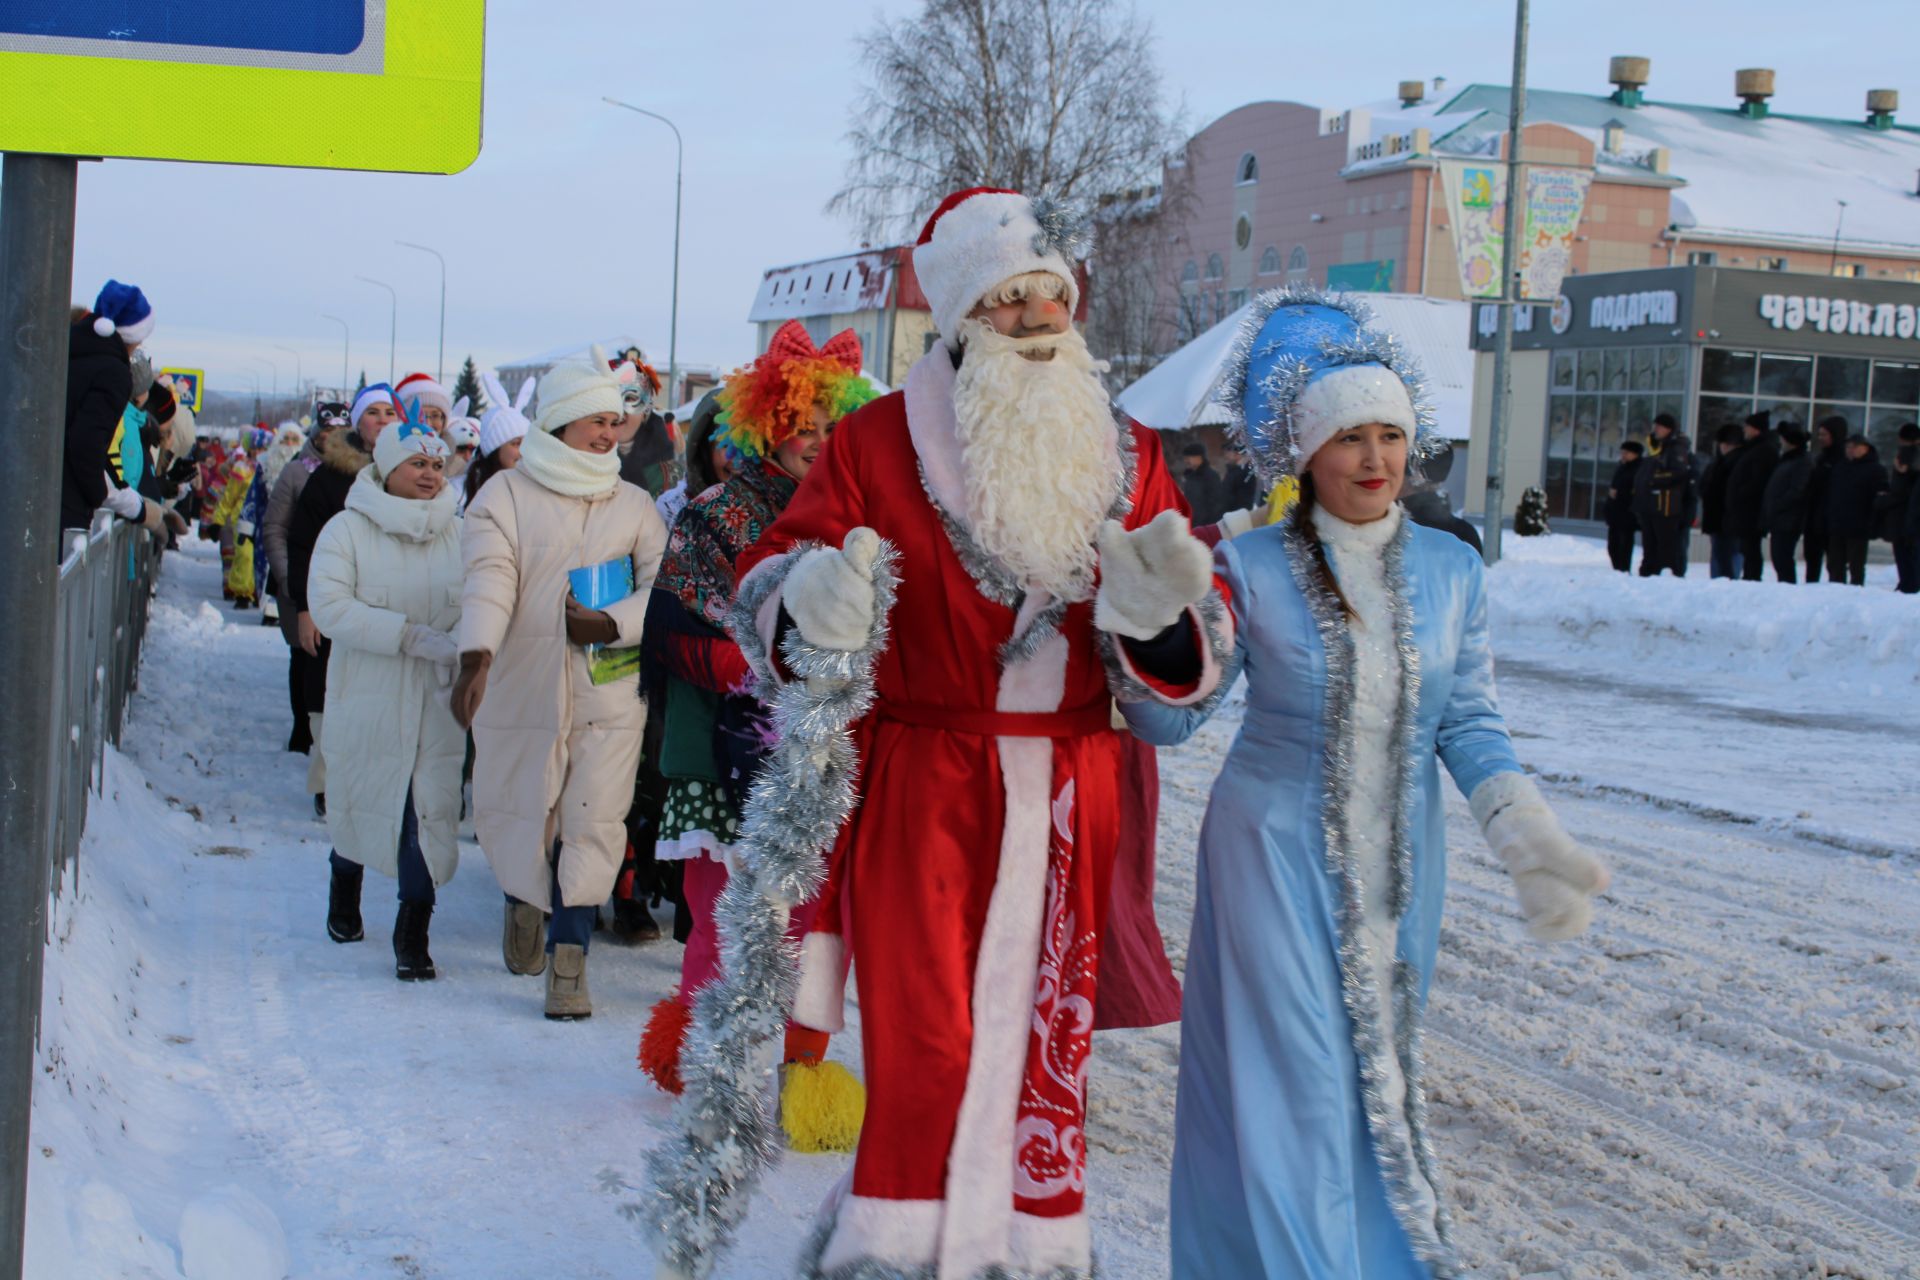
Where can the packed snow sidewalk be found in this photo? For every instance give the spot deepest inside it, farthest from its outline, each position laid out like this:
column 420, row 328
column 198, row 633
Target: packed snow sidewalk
column 1723, row 1079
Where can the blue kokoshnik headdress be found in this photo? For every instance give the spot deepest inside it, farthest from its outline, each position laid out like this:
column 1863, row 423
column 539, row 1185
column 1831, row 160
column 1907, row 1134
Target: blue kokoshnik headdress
column 1307, row 366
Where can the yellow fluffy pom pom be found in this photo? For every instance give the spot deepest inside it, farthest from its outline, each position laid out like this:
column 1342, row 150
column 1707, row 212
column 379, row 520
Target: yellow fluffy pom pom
column 821, row 1107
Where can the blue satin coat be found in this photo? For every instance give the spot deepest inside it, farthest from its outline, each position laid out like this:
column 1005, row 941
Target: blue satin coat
column 1275, row 1173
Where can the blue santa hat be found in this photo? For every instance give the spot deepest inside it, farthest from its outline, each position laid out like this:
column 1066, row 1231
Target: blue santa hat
column 1307, row 366
column 123, row 309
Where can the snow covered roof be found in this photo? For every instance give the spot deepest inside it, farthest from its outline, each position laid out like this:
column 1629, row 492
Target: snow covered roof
column 826, row 286
column 1778, row 178
column 1179, row 391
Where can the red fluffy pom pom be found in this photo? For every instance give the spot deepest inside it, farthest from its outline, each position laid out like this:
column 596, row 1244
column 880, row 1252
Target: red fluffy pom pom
column 660, row 1043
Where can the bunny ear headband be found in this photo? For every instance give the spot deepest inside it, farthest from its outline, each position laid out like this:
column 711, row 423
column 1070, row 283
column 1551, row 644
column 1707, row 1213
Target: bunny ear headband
column 461, row 406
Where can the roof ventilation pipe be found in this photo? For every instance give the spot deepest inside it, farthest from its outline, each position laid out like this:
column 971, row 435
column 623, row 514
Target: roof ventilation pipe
column 1753, row 86
column 1412, row 92
column 1629, row 76
column 1881, row 104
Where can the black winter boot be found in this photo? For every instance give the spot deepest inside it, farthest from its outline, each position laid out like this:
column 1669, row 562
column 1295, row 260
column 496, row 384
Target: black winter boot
column 411, row 963
column 343, row 906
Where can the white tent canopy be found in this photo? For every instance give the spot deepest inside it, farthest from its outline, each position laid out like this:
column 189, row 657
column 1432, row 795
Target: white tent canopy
column 1180, row 392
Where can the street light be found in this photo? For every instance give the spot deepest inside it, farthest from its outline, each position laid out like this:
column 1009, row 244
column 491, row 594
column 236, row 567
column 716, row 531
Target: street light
column 1496, row 501
column 440, row 370
column 393, row 320
column 673, row 320
column 299, row 369
column 276, row 373
column 1833, row 265
column 346, row 345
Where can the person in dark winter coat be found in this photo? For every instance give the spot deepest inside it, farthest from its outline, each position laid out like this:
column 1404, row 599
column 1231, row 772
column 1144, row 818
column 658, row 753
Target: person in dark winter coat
column 1783, row 508
column 1622, row 524
column 99, row 389
column 344, row 456
column 1725, row 552
column 1426, row 503
column 1663, row 498
column 1240, row 487
column 329, row 419
column 1750, row 465
column 1852, row 494
column 1906, row 547
column 1829, row 451
column 1896, row 506
column 1201, row 485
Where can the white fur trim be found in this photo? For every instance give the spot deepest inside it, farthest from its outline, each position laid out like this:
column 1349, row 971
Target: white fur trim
column 934, row 431
column 821, row 1001
column 979, row 243
column 1211, row 672
column 1235, row 523
column 977, row 1231
column 1346, row 397
column 688, row 845
column 1040, row 1246
column 138, row 332
column 1501, row 791
column 897, row 1233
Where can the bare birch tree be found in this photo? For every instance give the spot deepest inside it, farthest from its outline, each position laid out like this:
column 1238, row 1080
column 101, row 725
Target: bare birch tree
column 1057, row 96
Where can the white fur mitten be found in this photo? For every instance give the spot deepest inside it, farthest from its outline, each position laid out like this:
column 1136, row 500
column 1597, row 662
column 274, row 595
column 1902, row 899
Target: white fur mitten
column 1553, row 877
column 829, row 594
column 1149, row 576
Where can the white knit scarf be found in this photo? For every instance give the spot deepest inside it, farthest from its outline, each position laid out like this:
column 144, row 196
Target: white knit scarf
column 572, row 472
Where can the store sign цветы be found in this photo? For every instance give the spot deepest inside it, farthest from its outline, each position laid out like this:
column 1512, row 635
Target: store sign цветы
column 1838, row 315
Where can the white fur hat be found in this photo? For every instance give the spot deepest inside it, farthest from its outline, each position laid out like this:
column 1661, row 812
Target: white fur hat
column 983, row 236
column 576, row 389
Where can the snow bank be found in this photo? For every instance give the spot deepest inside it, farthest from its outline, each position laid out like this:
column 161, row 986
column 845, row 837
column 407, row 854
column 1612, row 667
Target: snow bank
column 227, row 1234
column 1825, row 646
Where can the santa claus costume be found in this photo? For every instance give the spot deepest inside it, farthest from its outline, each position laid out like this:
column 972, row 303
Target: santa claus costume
column 943, row 614
column 715, row 727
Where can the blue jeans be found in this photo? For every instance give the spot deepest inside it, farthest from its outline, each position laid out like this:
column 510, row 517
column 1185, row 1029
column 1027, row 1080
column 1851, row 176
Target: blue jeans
column 566, row 926
column 416, row 882
column 1725, row 551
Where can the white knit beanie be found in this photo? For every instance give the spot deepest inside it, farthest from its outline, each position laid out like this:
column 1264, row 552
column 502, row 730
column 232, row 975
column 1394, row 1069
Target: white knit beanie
column 505, row 420
column 401, row 441
column 982, row 237
column 576, row 389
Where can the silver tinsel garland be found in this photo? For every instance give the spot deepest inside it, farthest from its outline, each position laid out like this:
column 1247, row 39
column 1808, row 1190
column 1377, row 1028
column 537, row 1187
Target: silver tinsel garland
column 701, row 1181
column 1396, row 1130
column 1287, row 379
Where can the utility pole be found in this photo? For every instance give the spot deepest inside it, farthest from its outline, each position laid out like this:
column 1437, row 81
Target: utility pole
column 439, row 369
column 673, row 318
column 1833, row 265
column 346, row 348
column 36, row 283
column 393, row 320
column 1496, row 502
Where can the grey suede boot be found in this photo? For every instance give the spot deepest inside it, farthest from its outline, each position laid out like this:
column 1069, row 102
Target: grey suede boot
column 567, row 984
column 523, row 939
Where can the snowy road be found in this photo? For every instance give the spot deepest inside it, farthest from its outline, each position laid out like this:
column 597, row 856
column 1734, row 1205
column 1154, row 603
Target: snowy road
column 1722, row 1080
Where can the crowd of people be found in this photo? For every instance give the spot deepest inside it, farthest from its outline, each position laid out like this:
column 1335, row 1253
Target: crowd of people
column 1770, row 493
column 855, row 686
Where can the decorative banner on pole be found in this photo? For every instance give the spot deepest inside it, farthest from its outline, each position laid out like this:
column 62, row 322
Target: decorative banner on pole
column 1476, row 192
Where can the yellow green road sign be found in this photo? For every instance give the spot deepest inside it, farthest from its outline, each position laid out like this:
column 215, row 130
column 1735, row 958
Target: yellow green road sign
column 331, row 84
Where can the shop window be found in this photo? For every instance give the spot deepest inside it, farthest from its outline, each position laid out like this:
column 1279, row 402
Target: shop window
column 1913, row 273
column 1702, row 258
column 1715, row 412
column 1896, row 384
column 1786, row 377
column 1589, row 379
column 1645, row 374
column 1638, row 423
column 1270, row 261
column 1728, row 371
column 1249, row 171
column 1883, row 428
column 1840, row 378
column 1216, row 267
column 1563, row 371
column 1614, row 370
column 1559, row 454
column 1673, row 370
column 1850, row 270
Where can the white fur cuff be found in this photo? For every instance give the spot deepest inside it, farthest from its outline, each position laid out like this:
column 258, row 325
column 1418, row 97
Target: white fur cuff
column 821, row 1000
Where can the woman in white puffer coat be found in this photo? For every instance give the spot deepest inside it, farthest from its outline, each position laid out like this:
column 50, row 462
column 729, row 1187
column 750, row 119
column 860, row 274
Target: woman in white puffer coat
column 555, row 754
column 385, row 588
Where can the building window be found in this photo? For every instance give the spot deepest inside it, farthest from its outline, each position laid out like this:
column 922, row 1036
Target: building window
column 1236, row 300
column 1216, row 267
column 1849, row 269
column 1270, row 261
column 1913, row 273
column 1297, row 261
column 1249, row 170
column 1190, row 274
column 1242, row 232
column 1702, row 258
column 1773, row 263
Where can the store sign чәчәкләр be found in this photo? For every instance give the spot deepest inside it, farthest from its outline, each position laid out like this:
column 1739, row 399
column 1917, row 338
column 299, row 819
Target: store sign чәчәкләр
column 387, row 85
column 1794, row 312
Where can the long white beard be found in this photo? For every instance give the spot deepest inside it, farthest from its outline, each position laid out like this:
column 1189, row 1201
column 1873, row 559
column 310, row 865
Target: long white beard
column 1040, row 454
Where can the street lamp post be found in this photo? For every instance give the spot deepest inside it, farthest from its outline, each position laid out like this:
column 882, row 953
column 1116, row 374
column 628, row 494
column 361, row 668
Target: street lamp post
column 673, row 320
column 256, row 393
column 346, row 347
column 393, row 320
column 276, row 373
column 299, row 368
column 1833, row 264
column 440, row 370
column 1496, row 503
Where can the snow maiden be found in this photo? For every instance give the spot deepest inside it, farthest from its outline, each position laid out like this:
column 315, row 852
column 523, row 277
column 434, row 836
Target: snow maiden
column 1301, row 1150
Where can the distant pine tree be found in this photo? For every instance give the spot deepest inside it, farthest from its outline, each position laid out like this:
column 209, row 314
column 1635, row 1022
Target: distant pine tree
column 468, row 385
column 363, row 384
column 1530, row 517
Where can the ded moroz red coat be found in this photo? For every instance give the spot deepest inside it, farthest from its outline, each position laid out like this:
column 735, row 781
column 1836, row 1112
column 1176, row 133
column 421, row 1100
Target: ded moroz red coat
column 970, row 884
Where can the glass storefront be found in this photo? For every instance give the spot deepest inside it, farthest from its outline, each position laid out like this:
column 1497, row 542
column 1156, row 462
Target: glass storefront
column 1598, row 398
column 1874, row 396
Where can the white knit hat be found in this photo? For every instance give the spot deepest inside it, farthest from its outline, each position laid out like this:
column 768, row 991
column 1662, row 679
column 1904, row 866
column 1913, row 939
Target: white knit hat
column 401, row 441
column 984, row 236
column 505, row 420
column 576, row 389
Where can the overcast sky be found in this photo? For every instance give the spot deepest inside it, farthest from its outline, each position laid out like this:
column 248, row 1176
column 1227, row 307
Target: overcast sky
column 562, row 230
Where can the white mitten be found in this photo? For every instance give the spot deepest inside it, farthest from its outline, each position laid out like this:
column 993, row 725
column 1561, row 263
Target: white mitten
column 1553, row 877
column 429, row 645
column 829, row 594
column 1149, row 576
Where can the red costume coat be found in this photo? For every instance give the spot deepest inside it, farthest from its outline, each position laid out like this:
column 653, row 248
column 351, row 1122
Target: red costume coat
column 971, row 882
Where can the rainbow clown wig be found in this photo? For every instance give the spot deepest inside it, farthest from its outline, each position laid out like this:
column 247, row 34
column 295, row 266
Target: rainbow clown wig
column 766, row 403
